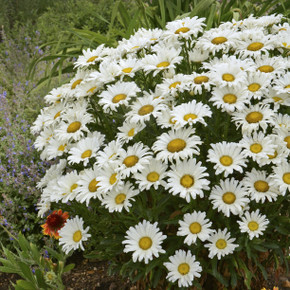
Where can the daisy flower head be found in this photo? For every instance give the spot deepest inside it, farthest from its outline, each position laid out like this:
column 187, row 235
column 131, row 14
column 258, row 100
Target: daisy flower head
column 229, row 99
column 183, row 268
column 190, row 113
column 184, row 28
column 134, row 159
column 90, row 57
column 253, row 223
column 198, row 54
column 87, row 88
column 187, row 179
column 128, row 131
column 200, row 82
column 220, row 244
column 144, row 240
column 165, row 120
column 282, row 84
column 176, row 144
column 107, row 72
column 281, row 177
column 73, row 234
column 55, row 148
column 194, row 226
column 128, row 67
column 273, row 97
column 229, row 197
column 144, row 107
column 257, row 185
column 57, row 95
column 54, row 222
column 109, row 153
column 227, row 158
column 254, row 117
column 153, row 174
column 162, row 60
column 120, row 198
column 270, row 65
column 118, row 94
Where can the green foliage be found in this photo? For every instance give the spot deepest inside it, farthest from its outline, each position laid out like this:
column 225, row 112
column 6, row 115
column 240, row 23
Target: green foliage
column 37, row 271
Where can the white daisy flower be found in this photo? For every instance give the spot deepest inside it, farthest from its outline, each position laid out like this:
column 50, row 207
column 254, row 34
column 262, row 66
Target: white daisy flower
column 57, row 95
column 87, row 88
column 282, row 121
column 281, row 177
column 229, row 197
column 153, row 174
column 271, row 65
column 191, row 113
column 42, row 207
column 144, row 107
column 43, row 139
column 253, row 223
column 184, row 28
column 128, row 67
column 144, row 240
column 165, row 120
column 118, row 94
column 257, row 146
column 79, row 77
column 120, row 197
column 194, row 226
column 220, row 244
column 200, row 82
column 129, row 130
column 187, row 179
column 254, row 117
column 257, row 85
column 162, row 60
column 55, row 148
column 134, row 159
column 53, row 113
column 198, row 54
column 88, row 185
column 227, row 158
column 73, row 234
column 109, row 154
column 258, row 186
column 90, row 57
column 85, row 149
column 183, row 267
column 282, row 84
column 229, row 99
column 107, row 72
column 277, row 99
column 176, row 144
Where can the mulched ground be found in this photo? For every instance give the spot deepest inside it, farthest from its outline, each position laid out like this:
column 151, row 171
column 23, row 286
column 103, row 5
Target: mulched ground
column 92, row 275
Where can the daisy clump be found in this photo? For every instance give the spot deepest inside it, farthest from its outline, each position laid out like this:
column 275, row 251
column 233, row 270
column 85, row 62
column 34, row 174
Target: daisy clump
column 173, row 149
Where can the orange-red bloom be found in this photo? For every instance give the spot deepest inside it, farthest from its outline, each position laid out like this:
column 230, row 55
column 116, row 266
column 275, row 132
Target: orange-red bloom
column 54, row 223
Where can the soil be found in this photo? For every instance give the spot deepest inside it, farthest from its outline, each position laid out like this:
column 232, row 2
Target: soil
column 92, row 275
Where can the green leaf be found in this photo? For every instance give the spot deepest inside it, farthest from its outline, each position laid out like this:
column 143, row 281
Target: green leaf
column 26, row 271
column 54, row 253
column 68, row 268
column 21, row 284
column 40, row 279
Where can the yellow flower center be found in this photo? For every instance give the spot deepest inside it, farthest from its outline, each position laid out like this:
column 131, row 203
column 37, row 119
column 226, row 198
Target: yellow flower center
column 127, row 70
column 153, row 176
column 182, row 30
column 119, row 98
column 183, row 268
column 229, row 98
column 254, row 87
column 287, row 140
column 277, row 99
column 73, row 127
column 131, row 160
column 174, row 85
column 255, row 46
column 77, row 82
column 120, row 198
column 77, row 236
column 187, row 181
column 163, row 64
column 135, row 47
column 253, row 226
column 113, row 178
column 201, row 79
column 228, row 77
column 86, row 154
column 61, row 147
column 229, row 197
column 171, row 121
column 219, row 40
column 189, row 116
column 145, row 110
column 92, row 58
column 261, row 186
column 273, row 156
column 286, row 177
column 145, row 243
column 195, row 228
column 131, row 132
column 221, row 244
column 256, row 148
column 266, row 68
column 112, row 155
column 93, row 185
column 226, row 160
column 176, row 145
column 73, row 187
column 287, row 87
column 57, row 115
column 254, row 117
column 91, row 90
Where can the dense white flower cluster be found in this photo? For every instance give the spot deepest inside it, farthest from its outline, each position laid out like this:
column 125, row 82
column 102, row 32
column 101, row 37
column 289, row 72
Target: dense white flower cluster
column 146, row 115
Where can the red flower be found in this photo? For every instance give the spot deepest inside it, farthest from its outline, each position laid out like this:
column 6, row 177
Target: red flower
column 54, row 222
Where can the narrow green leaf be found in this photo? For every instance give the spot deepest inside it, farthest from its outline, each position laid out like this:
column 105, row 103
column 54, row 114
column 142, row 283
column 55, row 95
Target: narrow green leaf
column 26, row 271
column 25, row 285
column 68, row 268
column 162, row 12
